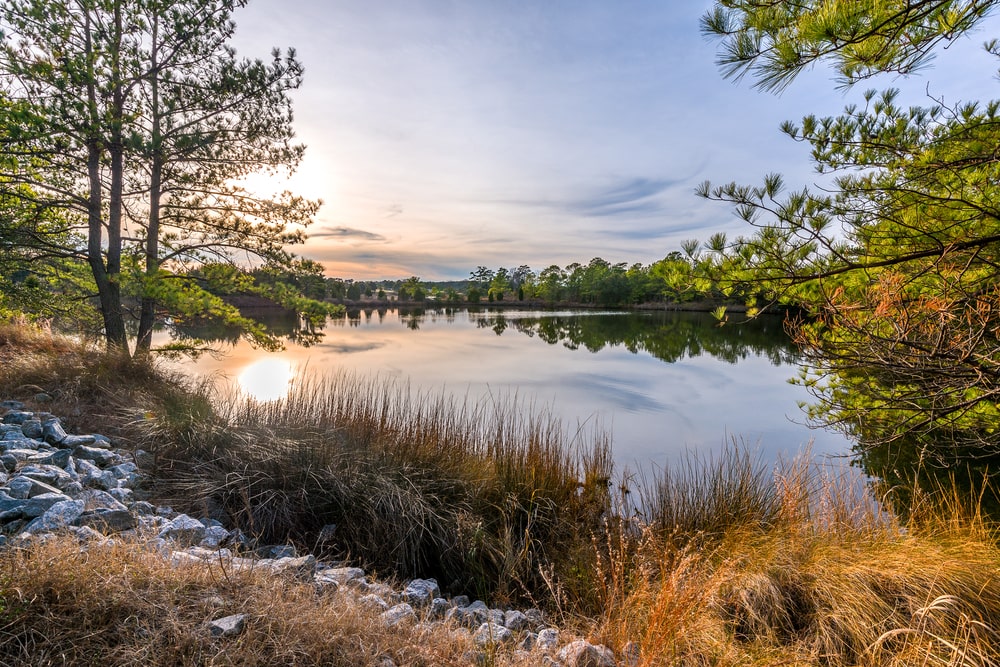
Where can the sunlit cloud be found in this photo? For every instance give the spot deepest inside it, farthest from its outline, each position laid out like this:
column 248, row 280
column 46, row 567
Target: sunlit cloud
column 346, row 233
column 447, row 135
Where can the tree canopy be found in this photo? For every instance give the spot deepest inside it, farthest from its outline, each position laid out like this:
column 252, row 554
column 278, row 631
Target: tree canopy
column 898, row 261
column 137, row 122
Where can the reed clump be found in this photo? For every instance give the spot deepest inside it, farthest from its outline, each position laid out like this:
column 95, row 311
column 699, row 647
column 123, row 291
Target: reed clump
column 818, row 575
column 487, row 497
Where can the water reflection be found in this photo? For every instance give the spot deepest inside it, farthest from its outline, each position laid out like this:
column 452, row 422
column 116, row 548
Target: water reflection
column 670, row 337
column 661, row 382
column 266, row 380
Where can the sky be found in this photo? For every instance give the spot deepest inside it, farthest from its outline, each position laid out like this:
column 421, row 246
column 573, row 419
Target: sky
column 446, row 134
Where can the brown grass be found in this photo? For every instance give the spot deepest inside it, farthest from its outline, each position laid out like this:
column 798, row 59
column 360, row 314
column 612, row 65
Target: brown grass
column 119, row 605
column 830, row 580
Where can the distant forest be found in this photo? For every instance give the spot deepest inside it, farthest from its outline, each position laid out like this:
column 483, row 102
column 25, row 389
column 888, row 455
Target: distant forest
column 677, row 278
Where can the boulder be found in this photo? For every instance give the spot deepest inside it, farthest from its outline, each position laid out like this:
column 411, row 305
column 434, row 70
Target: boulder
column 490, row 634
column 183, row 530
column 107, row 520
column 230, row 626
column 401, row 613
column 32, row 428
column 18, row 417
column 60, row 515
column 30, row 508
column 516, row 621
column 52, row 431
column 548, row 639
column 584, row 654
column 102, row 457
column 343, row 576
column 420, row 592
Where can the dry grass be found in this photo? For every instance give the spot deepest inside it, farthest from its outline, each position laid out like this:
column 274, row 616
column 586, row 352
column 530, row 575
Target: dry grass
column 829, row 580
column 119, row 605
column 491, row 500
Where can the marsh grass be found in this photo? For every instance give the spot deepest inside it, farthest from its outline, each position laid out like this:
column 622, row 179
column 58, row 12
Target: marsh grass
column 818, row 574
column 484, row 496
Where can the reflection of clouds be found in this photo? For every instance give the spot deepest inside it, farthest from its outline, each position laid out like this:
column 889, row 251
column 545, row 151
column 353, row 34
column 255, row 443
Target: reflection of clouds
column 351, row 348
column 631, row 395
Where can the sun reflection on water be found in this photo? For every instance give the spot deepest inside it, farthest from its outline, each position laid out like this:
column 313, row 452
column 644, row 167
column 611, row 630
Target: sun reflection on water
column 266, row 380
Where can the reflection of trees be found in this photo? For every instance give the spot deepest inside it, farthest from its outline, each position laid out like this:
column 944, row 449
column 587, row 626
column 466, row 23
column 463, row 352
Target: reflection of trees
column 669, row 337
column 282, row 324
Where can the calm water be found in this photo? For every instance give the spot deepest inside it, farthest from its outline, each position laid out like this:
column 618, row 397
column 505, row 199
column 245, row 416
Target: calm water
column 659, row 382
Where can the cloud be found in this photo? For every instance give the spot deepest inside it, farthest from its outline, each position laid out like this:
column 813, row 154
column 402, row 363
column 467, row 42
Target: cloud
column 637, row 195
column 347, row 233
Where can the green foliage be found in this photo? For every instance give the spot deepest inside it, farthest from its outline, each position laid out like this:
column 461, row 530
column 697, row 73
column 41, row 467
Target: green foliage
column 898, row 261
column 141, row 111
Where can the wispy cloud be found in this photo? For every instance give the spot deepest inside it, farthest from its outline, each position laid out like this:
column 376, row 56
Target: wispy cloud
column 638, row 195
column 347, row 233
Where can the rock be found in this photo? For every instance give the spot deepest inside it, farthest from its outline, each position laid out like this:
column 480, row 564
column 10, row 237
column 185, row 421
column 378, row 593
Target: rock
column 343, row 576
column 8, row 461
column 47, row 473
column 420, row 592
column 490, row 634
column 460, row 601
column 372, row 601
column 122, row 494
column 144, row 459
column 631, row 654
column 516, row 621
column 107, row 520
column 214, row 536
column 230, row 626
column 52, row 431
column 127, row 471
column 18, row 417
column 401, row 613
column 276, row 551
column 43, row 397
column 32, row 428
column 17, row 441
column 102, row 457
column 183, row 530
column 12, row 405
column 59, row 515
column 142, row 508
column 584, row 654
column 439, row 607
column 294, row 566
column 59, row 458
column 536, row 617
column 30, row 508
column 20, row 488
column 92, row 476
column 548, row 639
column 95, row 499
column 74, row 441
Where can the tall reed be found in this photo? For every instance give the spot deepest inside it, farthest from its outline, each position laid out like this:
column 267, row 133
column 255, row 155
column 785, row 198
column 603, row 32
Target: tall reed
column 484, row 495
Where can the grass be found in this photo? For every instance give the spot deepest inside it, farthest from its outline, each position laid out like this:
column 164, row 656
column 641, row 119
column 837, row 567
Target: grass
column 720, row 561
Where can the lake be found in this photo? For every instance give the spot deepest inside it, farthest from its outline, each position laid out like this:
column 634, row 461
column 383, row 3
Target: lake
column 659, row 382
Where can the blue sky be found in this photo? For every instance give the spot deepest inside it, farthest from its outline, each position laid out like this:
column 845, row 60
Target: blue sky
column 445, row 134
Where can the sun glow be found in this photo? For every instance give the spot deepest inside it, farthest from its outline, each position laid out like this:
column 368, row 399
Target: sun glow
column 266, row 380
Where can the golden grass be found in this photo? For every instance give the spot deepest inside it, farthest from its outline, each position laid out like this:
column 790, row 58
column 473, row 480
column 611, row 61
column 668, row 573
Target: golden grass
column 832, row 581
column 119, row 605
